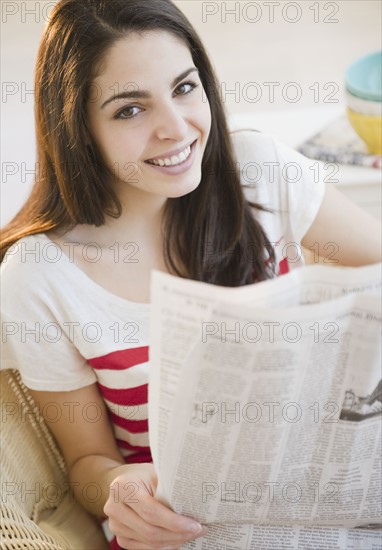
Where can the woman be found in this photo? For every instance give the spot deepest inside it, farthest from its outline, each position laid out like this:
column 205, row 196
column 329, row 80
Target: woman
column 137, row 171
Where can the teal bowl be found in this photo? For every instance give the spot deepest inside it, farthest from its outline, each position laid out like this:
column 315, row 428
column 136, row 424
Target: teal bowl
column 364, row 77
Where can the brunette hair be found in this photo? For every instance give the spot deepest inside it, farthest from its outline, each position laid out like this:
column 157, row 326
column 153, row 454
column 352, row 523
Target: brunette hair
column 72, row 185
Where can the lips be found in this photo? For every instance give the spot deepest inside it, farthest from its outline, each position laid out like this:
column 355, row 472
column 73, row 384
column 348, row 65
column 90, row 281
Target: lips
column 172, row 158
column 178, row 168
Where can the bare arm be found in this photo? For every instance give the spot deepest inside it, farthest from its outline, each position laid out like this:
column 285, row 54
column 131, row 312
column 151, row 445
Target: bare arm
column 356, row 234
column 103, row 483
column 89, row 448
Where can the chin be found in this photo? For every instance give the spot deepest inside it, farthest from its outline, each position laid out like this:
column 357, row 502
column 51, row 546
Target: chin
column 180, row 190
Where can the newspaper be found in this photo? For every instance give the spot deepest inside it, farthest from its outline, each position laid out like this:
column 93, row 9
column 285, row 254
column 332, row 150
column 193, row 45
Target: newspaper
column 265, row 407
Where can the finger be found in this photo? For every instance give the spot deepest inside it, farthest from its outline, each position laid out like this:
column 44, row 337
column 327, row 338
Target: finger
column 130, row 525
column 131, row 544
column 155, row 513
column 120, row 529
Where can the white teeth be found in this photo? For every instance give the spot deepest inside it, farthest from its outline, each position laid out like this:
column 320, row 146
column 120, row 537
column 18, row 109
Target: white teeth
column 174, row 160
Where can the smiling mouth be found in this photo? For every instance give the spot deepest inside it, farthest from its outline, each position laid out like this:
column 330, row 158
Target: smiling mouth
column 175, row 160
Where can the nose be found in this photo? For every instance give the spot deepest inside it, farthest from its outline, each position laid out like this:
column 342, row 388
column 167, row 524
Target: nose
column 170, row 122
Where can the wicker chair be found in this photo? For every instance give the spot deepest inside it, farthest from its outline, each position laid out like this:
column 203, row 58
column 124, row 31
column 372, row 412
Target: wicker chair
column 38, row 512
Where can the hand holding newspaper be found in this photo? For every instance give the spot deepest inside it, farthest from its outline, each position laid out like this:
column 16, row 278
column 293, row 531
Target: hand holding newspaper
column 265, row 407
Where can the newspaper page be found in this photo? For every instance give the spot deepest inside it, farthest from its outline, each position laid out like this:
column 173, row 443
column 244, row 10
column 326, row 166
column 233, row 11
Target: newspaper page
column 179, row 307
column 268, row 434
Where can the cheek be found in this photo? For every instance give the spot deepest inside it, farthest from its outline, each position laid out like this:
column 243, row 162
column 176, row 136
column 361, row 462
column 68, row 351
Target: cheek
column 114, row 145
column 100, row 138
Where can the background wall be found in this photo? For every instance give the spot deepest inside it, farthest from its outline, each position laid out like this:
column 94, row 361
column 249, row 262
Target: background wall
column 298, row 50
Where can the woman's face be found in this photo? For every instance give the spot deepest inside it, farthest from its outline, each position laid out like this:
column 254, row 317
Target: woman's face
column 147, row 109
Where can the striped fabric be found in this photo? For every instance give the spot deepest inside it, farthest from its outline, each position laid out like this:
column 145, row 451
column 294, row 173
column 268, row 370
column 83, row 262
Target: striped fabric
column 122, row 382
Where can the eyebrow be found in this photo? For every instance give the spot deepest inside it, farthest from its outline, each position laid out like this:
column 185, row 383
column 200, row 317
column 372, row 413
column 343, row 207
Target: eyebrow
column 144, row 94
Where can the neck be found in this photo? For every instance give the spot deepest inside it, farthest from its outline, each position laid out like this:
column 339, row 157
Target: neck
column 141, row 218
column 140, row 222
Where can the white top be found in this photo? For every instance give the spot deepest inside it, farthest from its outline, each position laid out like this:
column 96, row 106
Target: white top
column 63, row 331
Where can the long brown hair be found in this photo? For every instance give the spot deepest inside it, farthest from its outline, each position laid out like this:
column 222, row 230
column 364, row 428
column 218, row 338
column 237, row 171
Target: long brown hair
column 208, row 232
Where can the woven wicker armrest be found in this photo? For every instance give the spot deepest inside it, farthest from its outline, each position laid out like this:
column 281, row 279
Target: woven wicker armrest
column 38, row 512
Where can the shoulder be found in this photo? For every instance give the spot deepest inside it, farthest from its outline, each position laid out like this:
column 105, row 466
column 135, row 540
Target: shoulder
column 265, row 161
column 27, row 271
column 278, row 177
column 22, row 252
column 254, row 146
column 250, row 143
column 26, row 258
column 259, row 160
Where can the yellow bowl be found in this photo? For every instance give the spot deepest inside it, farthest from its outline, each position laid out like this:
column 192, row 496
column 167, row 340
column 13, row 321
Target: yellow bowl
column 369, row 129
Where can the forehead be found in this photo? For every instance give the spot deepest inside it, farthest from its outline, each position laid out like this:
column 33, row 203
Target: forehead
column 139, row 57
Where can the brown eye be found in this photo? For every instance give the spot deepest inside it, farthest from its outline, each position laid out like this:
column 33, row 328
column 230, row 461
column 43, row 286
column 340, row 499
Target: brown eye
column 186, row 88
column 128, row 111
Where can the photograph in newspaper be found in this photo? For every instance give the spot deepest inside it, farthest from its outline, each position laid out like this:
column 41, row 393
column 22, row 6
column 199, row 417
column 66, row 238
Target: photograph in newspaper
column 355, row 407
